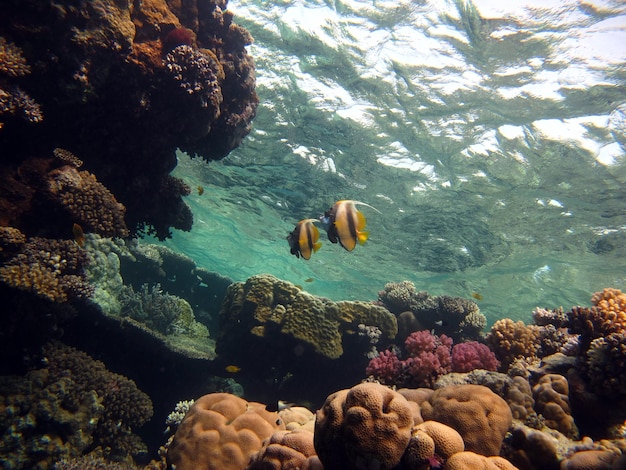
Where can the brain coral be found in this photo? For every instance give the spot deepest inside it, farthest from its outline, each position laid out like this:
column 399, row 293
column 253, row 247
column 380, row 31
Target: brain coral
column 471, row 461
column 431, row 441
column 479, row 415
column 367, row 426
column 286, row 450
column 221, row 432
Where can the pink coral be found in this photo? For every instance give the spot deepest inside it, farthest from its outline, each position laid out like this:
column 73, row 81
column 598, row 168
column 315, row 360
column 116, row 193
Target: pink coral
column 428, row 358
column 386, row 367
column 473, row 355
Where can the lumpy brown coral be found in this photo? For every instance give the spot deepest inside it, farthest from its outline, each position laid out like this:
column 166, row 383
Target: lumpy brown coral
column 221, row 431
column 368, row 425
column 480, row 416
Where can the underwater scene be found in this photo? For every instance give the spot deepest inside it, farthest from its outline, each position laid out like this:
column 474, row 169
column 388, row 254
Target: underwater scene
column 313, row 234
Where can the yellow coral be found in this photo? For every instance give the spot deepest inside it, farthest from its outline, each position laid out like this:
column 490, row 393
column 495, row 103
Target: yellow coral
column 12, row 62
column 613, row 303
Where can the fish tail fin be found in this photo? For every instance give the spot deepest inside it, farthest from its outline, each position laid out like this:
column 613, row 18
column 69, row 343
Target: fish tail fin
column 316, row 247
column 362, row 237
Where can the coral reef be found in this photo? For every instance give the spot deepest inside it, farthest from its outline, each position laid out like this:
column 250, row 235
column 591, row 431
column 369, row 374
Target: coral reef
column 350, row 424
column 73, row 405
column 471, row 355
column 455, row 317
column 480, row 416
column 286, row 449
column 513, row 340
column 551, row 394
column 125, row 407
column 49, row 268
column 139, row 80
column 266, row 307
column 221, row 431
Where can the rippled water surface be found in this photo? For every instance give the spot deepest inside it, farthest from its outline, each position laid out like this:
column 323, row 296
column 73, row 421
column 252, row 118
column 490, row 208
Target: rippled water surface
column 491, row 136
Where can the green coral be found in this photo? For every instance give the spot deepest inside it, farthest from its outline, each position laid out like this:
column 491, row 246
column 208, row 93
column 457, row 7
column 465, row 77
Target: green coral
column 264, row 303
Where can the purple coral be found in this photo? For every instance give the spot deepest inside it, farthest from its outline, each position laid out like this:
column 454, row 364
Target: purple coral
column 385, row 367
column 473, row 355
column 428, row 357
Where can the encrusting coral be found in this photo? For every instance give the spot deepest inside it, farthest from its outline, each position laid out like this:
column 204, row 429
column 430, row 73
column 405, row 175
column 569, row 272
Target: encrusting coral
column 266, row 307
column 221, row 431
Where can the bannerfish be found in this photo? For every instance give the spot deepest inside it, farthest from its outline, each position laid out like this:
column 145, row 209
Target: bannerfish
column 345, row 224
column 303, row 241
column 79, row 235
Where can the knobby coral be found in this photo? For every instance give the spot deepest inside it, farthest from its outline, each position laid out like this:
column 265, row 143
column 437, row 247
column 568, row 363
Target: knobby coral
column 125, row 406
column 52, row 269
column 221, row 431
column 367, row 426
column 513, row 340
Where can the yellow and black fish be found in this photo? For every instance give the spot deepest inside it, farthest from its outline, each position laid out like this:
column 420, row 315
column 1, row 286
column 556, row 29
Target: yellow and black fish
column 303, row 239
column 345, row 224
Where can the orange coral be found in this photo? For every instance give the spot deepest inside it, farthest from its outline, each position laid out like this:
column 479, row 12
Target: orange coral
column 368, row 424
column 471, row 461
column 221, row 431
column 285, row 450
column 513, row 340
column 552, row 401
column 480, row 416
column 431, row 440
column 613, row 303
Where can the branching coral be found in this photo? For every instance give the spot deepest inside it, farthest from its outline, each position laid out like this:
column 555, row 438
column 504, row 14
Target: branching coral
column 52, row 269
column 513, row 340
column 456, row 317
column 472, row 355
column 606, row 364
column 427, row 358
column 88, row 201
column 125, row 406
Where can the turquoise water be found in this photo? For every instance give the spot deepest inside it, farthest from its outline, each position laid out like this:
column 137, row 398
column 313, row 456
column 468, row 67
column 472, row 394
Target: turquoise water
column 490, row 136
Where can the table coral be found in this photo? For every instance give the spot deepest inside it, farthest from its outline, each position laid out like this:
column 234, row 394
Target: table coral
column 367, row 426
column 512, row 340
column 221, row 431
column 87, row 201
column 479, row 415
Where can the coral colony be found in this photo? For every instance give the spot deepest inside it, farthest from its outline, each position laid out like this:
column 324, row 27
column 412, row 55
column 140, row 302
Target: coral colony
column 102, row 335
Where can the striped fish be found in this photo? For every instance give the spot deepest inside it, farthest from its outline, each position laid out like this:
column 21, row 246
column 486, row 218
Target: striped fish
column 345, row 224
column 303, row 240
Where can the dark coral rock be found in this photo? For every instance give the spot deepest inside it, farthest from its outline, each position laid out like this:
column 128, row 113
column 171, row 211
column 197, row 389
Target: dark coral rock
column 98, row 71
